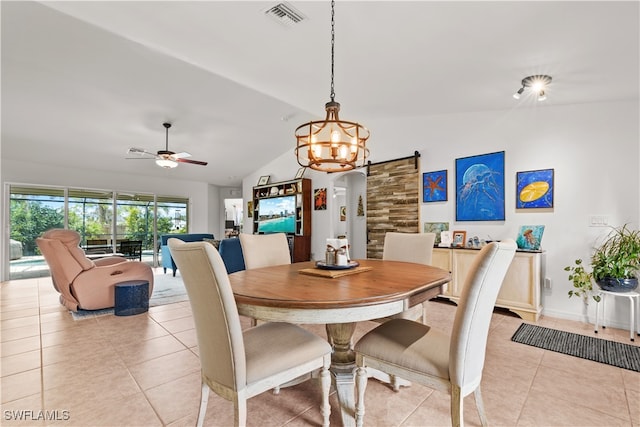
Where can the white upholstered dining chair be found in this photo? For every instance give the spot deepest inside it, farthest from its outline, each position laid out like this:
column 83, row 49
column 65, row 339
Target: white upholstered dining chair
column 264, row 250
column 237, row 365
column 430, row 357
column 409, row 247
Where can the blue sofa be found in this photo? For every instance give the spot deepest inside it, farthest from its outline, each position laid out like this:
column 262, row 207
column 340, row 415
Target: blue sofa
column 231, row 254
column 167, row 261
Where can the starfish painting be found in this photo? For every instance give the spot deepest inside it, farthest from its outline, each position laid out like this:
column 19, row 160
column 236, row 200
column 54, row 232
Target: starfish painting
column 434, row 186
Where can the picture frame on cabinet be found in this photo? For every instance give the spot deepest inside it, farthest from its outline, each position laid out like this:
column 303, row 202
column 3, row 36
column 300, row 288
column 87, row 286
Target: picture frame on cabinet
column 300, row 173
column 459, row 239
column 264, row 180
column 446, row 239
column 437, row 228
column 530, row 237
column 535, row 189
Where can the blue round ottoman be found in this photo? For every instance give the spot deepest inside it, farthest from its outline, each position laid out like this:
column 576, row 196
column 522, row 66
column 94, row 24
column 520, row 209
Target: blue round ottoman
column 131, row 297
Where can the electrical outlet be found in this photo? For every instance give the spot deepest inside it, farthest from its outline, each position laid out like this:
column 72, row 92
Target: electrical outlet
column 598, row 221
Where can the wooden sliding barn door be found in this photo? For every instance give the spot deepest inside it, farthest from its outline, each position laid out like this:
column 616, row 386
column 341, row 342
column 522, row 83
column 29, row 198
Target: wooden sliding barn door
column 393, row 195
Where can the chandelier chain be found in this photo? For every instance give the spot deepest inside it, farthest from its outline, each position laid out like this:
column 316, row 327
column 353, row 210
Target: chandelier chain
column 331, row 145
column 333, row 42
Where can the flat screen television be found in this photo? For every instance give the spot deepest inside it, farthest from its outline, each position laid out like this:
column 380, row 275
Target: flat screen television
column 277, row 215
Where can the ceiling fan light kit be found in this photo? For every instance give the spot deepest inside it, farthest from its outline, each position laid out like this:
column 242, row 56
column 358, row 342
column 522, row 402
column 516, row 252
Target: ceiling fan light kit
column 538, row 85
column 166, row 163
column 165, row 158
column 331, row 145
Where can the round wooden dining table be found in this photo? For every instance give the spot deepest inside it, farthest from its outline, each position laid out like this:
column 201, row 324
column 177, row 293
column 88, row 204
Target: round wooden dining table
column 301, row 293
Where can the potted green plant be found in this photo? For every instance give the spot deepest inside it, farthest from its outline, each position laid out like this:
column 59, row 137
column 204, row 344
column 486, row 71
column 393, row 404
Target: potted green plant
column 616, row 261
column 583, row 286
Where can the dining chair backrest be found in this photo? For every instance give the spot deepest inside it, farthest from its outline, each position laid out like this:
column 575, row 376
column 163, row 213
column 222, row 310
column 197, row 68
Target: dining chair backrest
column 473, row 316
column 218, row 330
column 408, row 247
column 265, row 250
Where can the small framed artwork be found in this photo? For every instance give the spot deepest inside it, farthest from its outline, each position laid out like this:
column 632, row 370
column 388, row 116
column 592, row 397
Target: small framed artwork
column 434, row 186
column 250, row 208
column 300, row 173
column 534, row 189
column 529, row 237
column 320, row 199
column 480, row 187
column 264, row 180
column 446, row 239
column 438, row 228
column 343, row 213
column 459, row 239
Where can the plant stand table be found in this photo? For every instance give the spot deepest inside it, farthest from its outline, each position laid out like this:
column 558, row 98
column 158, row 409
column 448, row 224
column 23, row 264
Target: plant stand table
column 634, row 309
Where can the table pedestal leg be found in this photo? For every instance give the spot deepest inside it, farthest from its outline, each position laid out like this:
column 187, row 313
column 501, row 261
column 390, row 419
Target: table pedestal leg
column 342, row 368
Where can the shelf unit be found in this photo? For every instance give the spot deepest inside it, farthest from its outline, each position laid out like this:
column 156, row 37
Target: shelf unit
column 300, row 239
column 520, row 292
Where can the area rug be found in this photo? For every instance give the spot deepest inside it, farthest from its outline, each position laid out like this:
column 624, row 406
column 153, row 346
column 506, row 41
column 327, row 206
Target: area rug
column 166, row 290
column 597, row 349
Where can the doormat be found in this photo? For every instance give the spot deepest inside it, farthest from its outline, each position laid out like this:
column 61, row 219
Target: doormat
column 613, row 353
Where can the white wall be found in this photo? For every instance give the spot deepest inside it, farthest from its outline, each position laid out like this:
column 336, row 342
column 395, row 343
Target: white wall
column 594, row 150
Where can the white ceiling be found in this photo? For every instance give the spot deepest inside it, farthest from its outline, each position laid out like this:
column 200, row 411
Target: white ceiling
column 84, row 81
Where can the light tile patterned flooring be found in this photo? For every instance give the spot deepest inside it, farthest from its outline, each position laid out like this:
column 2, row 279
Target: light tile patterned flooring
column 143, row 371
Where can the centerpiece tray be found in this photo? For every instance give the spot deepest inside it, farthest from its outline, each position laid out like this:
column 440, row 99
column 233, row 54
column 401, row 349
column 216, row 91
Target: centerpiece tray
column 333, row 273
column 324, row 266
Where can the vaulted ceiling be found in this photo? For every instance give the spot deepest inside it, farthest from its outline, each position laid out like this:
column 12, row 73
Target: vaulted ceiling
column 84, row 81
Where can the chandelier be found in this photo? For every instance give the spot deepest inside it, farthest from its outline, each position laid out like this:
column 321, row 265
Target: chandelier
column 332, row 145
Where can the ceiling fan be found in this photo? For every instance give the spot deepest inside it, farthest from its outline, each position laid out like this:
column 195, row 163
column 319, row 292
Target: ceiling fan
column 165, row 158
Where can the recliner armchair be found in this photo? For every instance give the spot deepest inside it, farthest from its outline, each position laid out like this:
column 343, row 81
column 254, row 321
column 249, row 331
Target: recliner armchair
column 83, row 283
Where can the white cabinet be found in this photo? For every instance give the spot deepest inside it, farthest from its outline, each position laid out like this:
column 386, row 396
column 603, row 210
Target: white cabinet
column 520, row 292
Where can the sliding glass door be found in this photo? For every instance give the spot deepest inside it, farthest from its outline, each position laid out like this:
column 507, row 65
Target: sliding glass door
column 108, row 222
column 91, row 215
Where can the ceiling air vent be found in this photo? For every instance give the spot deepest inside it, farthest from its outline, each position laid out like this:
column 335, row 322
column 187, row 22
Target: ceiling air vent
column 285, row 14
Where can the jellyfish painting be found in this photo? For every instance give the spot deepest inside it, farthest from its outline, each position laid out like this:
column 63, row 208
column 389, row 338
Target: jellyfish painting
column 480, row 188
column 529, row 237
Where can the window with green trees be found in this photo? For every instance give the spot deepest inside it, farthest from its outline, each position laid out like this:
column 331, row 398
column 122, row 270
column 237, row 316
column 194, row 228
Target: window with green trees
column 141, row 217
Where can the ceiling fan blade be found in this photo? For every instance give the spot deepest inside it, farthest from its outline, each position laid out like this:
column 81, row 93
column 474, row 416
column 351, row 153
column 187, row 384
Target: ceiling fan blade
column 181, row 155
column 139, row 151
column 195, row 162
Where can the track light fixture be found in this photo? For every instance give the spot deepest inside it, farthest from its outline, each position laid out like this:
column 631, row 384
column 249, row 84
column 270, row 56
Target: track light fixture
column 538, row 85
